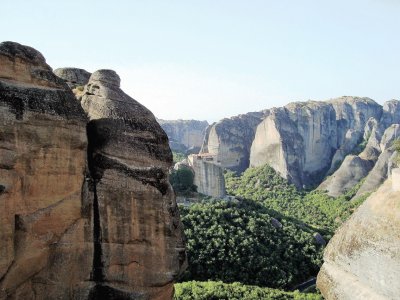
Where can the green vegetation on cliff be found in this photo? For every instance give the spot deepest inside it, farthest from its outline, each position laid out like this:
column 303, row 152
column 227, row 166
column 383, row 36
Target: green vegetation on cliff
column 194, row 290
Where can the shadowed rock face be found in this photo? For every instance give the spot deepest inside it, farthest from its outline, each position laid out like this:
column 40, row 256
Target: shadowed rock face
column 87, row 211
column 362, row 260
column 138, row 243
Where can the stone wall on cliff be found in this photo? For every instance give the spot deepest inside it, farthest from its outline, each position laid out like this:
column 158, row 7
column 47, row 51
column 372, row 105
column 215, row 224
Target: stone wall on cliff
column 86, row 206
column 362, row 260
column 184, row 135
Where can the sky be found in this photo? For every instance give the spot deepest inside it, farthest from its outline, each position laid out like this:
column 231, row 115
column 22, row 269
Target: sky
column 212, row 59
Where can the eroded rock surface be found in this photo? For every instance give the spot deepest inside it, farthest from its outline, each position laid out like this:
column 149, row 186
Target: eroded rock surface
column 138, row 245
column 230, row 140
column 74, row 77
column 302, row 139
column 362, row 260
column 86, row 209
column 43, row 250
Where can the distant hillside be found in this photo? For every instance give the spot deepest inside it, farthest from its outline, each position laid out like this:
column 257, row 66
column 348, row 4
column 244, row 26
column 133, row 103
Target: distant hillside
column 184, row 135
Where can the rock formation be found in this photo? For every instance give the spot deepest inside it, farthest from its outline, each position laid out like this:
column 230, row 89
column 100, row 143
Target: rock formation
column 208, row 175
column 87, row 211
column 301, row 140
column 305, row 141
column 375, row 161
column 139, row 241
column 230, row 140
column 42, row 165
column 73, row 77
column 184, row 135
column 362, row 260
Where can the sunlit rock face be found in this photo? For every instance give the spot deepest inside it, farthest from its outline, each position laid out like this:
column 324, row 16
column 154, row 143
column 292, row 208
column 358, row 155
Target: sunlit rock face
column 87, row 211
column 302, row 140
column 43, row 250
column 362, row 260
column 230, row 140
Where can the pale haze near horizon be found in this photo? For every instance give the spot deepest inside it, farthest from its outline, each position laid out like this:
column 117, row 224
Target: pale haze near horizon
column 208, row 60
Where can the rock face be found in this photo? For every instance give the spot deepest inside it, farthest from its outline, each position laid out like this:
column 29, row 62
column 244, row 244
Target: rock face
column 74, row 77
column 301, row 140
column 230, row 140
column 208, row 175
column 138, row 245
column 43, row 250
column 306, row 141
column 374, row 163
column 87, row 211
column 362, row 260
column 184, row 135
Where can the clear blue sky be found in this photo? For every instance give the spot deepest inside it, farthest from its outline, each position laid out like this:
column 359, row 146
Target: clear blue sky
column 214, row 59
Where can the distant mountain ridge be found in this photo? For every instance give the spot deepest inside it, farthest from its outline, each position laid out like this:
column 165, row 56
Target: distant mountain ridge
column 305, row 141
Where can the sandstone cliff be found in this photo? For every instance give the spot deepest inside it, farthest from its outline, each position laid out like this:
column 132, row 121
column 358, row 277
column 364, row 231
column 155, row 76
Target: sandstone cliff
column 86, row 208
column 184, row 135
column 362, row 260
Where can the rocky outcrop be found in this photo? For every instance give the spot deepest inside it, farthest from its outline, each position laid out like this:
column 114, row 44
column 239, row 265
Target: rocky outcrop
column 208, row 175
column 362, row 260
column 184, row 135
column 87, row 209
column 306, row 141
column 230, row 140
column 302, row 139
column 73, row 77
column 138, row 247
column 351, row 172
column 43, row 250
column 374, row 162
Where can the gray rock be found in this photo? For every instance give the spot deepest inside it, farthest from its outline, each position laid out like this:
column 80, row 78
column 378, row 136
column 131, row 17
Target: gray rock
column 74, row 77
column 362, row 259
column 352, row 170
column 230, row 140
column 276, row 223
column 305, row 140
column 319, row 239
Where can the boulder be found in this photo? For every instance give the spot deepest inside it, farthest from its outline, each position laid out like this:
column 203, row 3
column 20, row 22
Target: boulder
column 362, row 260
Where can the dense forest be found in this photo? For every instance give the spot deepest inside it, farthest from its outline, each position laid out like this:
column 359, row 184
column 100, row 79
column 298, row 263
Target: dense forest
column 270, row 235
